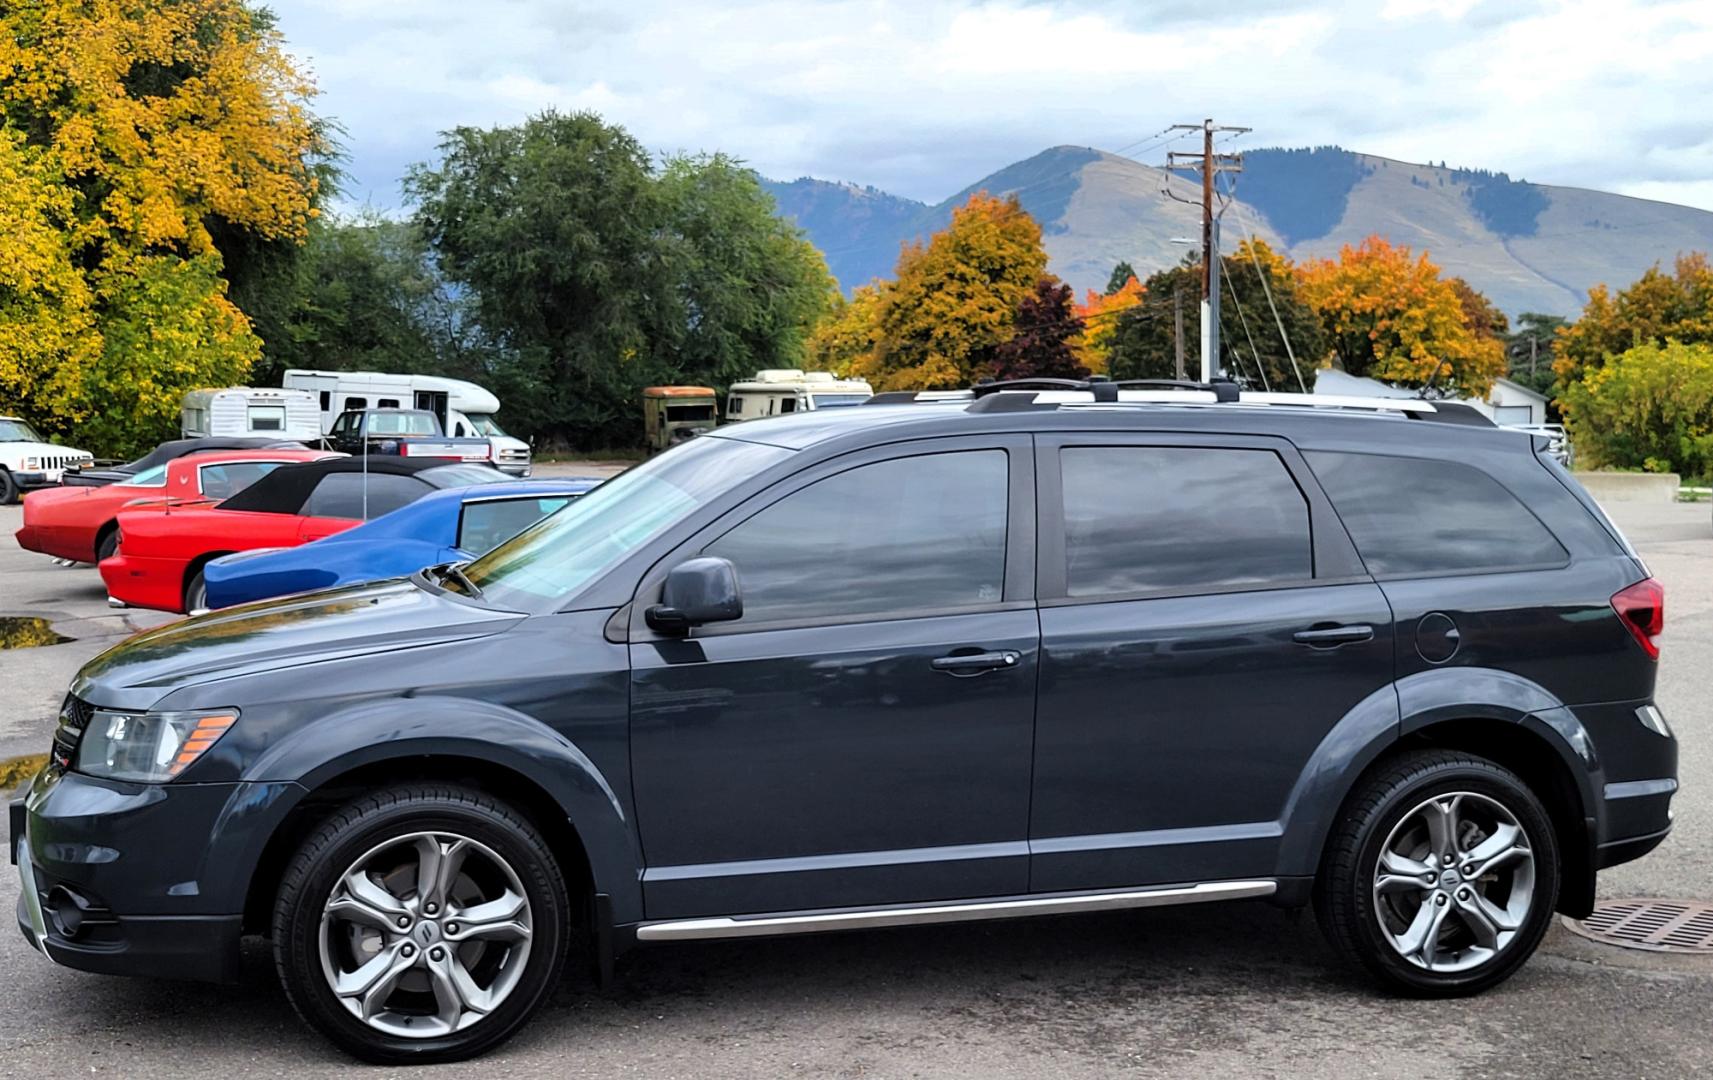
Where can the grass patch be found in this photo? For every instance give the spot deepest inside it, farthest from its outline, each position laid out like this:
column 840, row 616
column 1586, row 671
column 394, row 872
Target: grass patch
column 19, row 769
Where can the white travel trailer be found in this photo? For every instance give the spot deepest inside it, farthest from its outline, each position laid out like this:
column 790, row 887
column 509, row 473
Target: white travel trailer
column 465, row 409
column 243, row 411
column 786, row 390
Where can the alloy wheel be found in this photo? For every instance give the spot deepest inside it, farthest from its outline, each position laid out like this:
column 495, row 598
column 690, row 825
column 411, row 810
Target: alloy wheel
column 425, row 934
column 1454, row 882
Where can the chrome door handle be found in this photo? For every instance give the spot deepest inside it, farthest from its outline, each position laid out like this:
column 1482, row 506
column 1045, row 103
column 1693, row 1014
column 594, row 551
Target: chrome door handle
column 1331, row 637
column 986, row 661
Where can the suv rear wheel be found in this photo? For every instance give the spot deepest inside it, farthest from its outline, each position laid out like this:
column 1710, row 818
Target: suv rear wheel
column 1442, row 875
column 424, row 923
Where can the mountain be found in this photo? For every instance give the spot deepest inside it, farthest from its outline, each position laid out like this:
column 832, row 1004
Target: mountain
column 1529, row 247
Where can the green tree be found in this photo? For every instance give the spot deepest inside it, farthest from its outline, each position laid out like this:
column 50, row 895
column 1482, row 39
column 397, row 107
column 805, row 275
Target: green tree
column 955, row 299
column 592, row 274
column 1252, row 347
column 1121, row 275
column 1041, row 345
column 753, row 287
column 1529, row 351
column 1649, row 407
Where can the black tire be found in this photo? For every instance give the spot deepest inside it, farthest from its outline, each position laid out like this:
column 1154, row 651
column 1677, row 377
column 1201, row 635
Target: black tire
column 1346, row 904
column 8, row 489
column 357, row 828
column 195, row 593
column 107, row 545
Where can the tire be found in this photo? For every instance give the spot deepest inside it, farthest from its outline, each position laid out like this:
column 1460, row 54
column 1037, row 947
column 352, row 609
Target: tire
column 195, row 593
column 8, row 489
column 502, row 855
column 1489, row 925
column 107, row 545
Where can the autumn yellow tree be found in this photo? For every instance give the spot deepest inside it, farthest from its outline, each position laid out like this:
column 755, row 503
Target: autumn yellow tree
column 1390, row 316
column 136, row 134
column 846, row 333
column 1100, row 313
column 1655, row 308
column 955, row 299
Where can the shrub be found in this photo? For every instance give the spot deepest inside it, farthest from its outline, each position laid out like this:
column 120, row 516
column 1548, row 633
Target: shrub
column 1650, row 407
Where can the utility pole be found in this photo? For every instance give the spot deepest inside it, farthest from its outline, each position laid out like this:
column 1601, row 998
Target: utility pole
column 1210, row 165
column 1178, row 328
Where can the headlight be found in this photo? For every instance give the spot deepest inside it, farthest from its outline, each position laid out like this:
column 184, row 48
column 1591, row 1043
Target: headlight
column 31, row 464
column 148, row 747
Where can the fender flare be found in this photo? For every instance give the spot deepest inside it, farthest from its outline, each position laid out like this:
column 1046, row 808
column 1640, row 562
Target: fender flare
column 408, row 728
column 1414, row 703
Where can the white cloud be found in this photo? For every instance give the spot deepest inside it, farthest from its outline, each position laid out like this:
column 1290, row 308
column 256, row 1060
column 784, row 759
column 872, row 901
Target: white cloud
column 922, row 97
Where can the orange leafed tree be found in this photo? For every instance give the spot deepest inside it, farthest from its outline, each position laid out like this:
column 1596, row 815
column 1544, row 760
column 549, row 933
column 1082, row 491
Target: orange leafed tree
column 954, row 301
column 1100, row 314
column 1390, row 316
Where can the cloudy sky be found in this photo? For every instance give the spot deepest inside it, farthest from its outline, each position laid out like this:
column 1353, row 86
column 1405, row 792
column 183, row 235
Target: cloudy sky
column 921, row 98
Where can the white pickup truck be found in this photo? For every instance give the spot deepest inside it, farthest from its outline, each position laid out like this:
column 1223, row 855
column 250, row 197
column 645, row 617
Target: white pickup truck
column 29, row 461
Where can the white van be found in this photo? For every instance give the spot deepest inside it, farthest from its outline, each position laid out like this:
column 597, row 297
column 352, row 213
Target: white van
column 787, row 390
column 465, row 409
column 245, row 411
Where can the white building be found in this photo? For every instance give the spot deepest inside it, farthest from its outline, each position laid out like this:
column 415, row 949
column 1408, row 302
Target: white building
column 1508, row 403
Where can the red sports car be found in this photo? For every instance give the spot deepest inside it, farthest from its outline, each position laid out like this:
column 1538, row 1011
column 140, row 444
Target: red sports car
column 162, row 549
column 82, row 523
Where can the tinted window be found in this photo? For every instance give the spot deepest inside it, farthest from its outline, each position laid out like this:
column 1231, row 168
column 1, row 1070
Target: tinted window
column 734, row 405
column 911, row 534
column 356, row 403
column 689, row 412
column 225, row 481
column 1141, row 519
column 787, row 405
column 1415, row 516
column 486, row 525
column 387, row 403
column 346, row 422
column 340, row 495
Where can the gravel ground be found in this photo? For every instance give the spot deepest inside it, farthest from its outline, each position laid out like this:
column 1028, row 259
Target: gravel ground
column 1239, row 990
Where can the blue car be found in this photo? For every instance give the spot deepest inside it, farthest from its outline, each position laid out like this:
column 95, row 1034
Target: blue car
column 453, row 525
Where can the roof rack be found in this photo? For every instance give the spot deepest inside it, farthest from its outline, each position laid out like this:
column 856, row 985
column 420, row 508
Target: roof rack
column 1016, row 395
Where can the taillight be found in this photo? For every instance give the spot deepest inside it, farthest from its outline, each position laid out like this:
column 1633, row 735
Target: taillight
column 1642, row 609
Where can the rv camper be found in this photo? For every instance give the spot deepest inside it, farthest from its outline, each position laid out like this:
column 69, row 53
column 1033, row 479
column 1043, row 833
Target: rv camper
column 251, row 412
column 465, row 410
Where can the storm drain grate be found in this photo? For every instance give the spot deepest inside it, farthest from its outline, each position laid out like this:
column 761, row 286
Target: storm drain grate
column 1677, row 926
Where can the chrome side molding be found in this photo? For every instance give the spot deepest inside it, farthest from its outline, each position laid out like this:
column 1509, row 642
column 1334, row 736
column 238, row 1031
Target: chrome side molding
column 971, row 911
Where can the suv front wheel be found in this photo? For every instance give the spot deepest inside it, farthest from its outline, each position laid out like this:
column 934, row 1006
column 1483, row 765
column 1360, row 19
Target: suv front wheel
column 1441, row 876
column 423, row 923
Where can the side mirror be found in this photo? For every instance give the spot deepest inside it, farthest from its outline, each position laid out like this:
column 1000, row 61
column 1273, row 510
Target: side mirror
column 697, row 591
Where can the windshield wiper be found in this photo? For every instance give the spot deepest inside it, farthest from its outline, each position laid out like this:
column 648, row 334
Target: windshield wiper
column 456, row 571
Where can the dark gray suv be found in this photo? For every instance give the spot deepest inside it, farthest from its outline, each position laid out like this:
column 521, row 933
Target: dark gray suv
column 1040, row 650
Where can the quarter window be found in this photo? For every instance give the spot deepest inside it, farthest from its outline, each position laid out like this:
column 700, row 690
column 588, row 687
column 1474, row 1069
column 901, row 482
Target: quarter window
column 225, row 481
column 1419, row 516
column 1142, row 519
column 487, row 525
column 901, row 536
column 341, row 495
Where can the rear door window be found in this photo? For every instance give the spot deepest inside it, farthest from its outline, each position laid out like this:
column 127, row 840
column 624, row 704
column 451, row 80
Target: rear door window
column 1151, row 519
column 1418, row 516
column 903, row 536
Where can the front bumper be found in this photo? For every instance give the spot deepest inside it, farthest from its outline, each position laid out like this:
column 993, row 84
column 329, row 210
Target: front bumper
column 135, row 879
column 30, row 481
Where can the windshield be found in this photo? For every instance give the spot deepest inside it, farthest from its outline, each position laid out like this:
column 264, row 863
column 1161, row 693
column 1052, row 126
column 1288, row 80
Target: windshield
column 560, row 554
column 834, row 401
column 18, row 431
column 485, row 424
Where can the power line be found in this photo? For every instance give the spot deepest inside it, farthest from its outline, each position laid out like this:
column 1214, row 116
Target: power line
column 1268, row 289
column 1254, row 352
column 1210, row 164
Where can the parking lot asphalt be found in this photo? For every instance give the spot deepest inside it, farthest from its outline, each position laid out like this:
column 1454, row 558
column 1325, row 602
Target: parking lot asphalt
column 1240, row 990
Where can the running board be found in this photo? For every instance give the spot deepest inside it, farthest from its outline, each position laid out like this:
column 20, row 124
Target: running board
column 920, row 914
